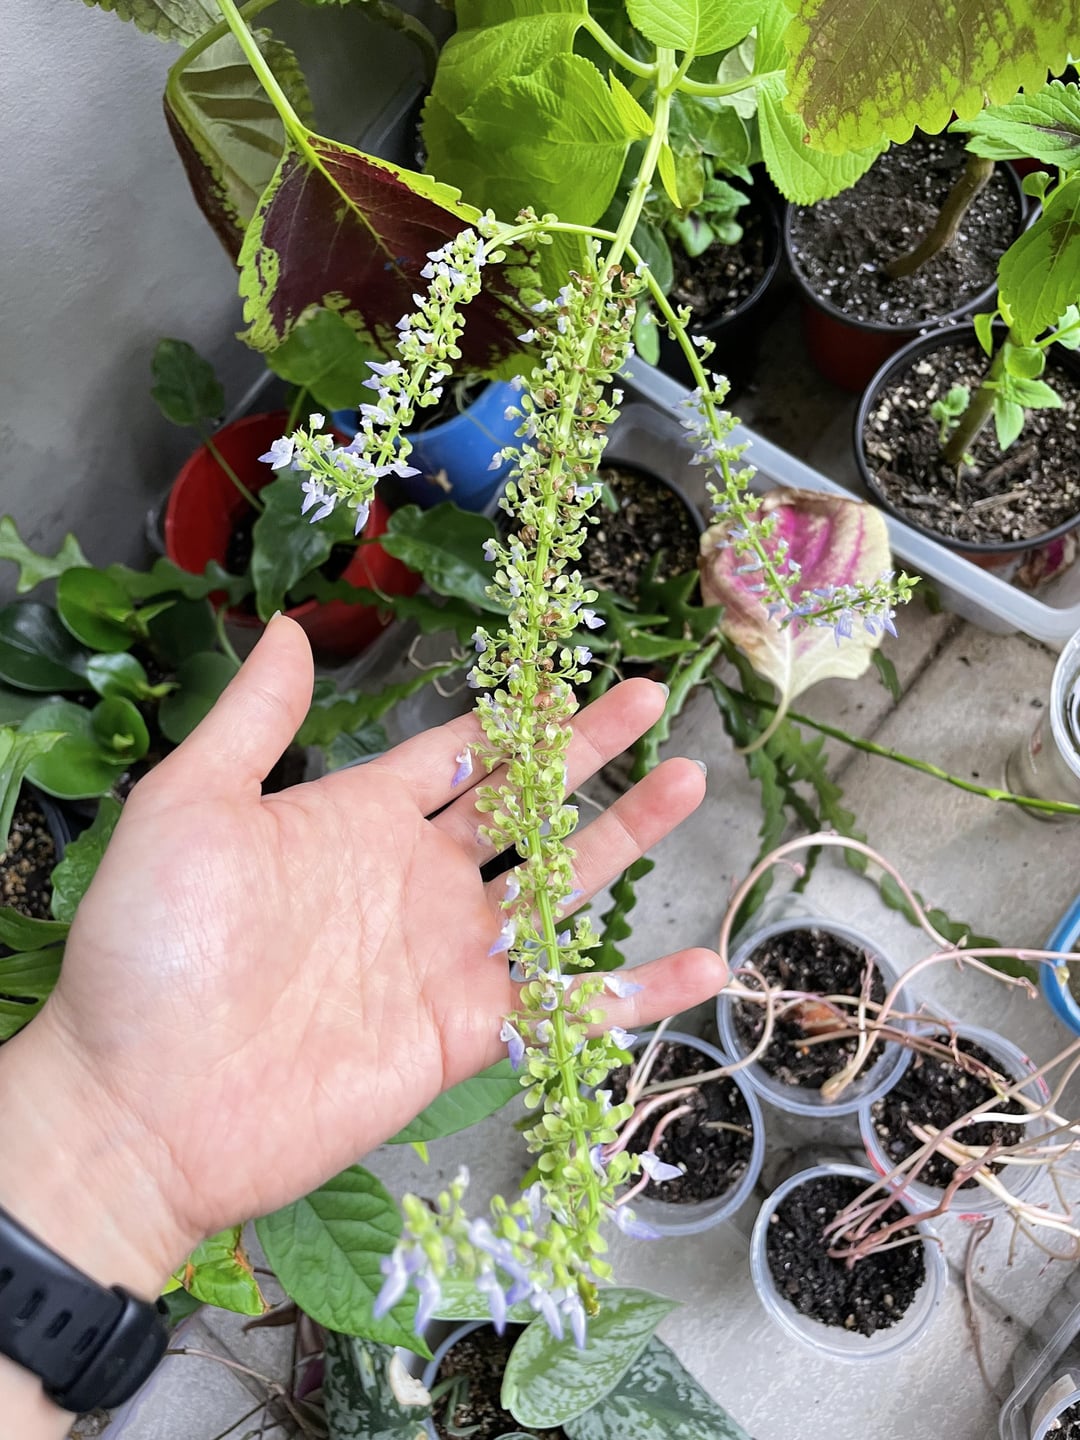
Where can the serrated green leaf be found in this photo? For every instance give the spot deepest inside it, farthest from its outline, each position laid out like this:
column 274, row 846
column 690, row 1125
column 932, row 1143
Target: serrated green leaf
column 200, row 680
column 219, row 1273
column 34, row 567
column 802, row 175
column 1031, row 394
column 1023, row 362
column 657, row 1399
column 636, row 121
column 367, row 740
column 359, row 1395
column 955, row 931
column 864, row 68
column 614, row 926
column 984, row 330
column 324, row 355
column 1041, row 125
column 445, row 545
column 1039, row 274
column 462, row 1105
column 546, row 1381
column 71, row 878
column 181, row 20
column 700, row 26
column 342, row 1230
column 185, row 387
column 36, row 652
column 27, row 979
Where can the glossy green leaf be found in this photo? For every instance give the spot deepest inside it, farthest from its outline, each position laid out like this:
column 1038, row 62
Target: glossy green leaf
column 18, row 751
column 200, row 679
column 286, row 545
column 96, row 610
column 183, row 630
column 984, row 330
column 657, row 1399
column 15, row 705
column 71, row 878
column 86, row 762
column 712, row 127
column 326, row 1250
column 324, row 355
column 864, row 68
column 186, row 389
column 120, row 728
column 546, row 1381
column 230, row 137
column 462, row 1105
column 359, row 1393
column 700, row 26
column 181, row 20
column 36, row 652
column 119, row 674
column 219, row 1273
column 1041, row 125
column 1039, row 274
column 445, row 545
column 27, row 980
column 35, row 567
column 22, row 932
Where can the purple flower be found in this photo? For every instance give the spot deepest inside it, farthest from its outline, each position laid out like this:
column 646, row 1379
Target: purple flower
column 590, row 619
column 464, row 768
column 657, row 1169
column 573, row 1307
column 280, row 453
column 487, row 1283
column 515, row 1045
column 363, row 510
column 315, row 494
column 621, row 1038
column 547, row 1307
column 625, row 1220
column 430, row 1294
column 316, row 421
column 490, row 550
column 620, row 987
column 513, row 885
column 505, row 938
column 527, row 337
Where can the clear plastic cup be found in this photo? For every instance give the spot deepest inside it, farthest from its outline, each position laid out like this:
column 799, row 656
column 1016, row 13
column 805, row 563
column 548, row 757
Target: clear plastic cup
column 670, row 1219
column 975, row 1202
column 1046, row 764
column 1054, row 1401
column 871, row 1082
column 831, row 1340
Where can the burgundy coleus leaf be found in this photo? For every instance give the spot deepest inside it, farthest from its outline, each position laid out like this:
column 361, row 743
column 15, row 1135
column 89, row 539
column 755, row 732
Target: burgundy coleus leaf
column 836, row 541
column 351, row 233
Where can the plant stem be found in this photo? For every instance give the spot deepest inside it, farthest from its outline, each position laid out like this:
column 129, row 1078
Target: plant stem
column 870, row 747
column 730, row 87
column 415, row 29
column 220, row 30
column 294, row 127
column 972, row 179
column 295, row 408
column 977, row 414
column 223, row 638
column 253, row 500
column 641, row 68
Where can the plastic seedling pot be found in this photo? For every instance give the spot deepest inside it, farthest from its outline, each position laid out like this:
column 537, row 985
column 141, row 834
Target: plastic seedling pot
column 871, row 1082
column 832, row 1341
column 670, row 1219
column 1045, row 1369
column 976, row 1202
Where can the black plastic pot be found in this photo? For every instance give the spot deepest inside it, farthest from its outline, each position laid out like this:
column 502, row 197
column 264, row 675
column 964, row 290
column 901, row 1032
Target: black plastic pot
column 737, row 335
column 848, row 351
column 987, row 554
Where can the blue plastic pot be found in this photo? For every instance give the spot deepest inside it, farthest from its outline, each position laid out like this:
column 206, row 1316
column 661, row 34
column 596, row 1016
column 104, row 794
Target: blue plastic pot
column 454, row 458
column 1065, row 937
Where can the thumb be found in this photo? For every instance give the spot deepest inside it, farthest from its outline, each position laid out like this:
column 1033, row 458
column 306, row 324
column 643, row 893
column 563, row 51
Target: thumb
column 243, row 737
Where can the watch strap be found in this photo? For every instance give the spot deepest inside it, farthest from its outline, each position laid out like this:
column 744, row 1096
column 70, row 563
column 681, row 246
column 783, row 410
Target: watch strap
column 89, row 1345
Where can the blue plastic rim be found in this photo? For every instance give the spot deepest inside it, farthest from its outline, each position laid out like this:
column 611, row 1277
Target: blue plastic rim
column 1059, row 996
column 460, row 449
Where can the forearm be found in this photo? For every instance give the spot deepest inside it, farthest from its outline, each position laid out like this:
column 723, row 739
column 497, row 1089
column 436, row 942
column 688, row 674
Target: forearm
column 74, row 1172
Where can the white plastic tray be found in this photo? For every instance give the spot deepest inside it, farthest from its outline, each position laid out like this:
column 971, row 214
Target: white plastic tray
column 978, row 595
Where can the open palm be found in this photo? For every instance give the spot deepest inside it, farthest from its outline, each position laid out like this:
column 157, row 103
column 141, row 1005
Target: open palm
column 268, row 987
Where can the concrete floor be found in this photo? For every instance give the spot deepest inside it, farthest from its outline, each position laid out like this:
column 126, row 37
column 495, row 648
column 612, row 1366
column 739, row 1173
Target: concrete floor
column 968, row 698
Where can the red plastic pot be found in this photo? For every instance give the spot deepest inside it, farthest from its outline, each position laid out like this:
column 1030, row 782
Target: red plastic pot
column 204, row 507
column 849, row 352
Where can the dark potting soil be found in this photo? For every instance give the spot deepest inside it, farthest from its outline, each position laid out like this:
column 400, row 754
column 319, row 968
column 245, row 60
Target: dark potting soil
column 715, row 283
column 841, row 246
column 478, row 1360
column 868, row 1296
column 1031, row 488
column 1066, row 1426
column 713, row 1143
column 650, row 519
column 26, row 865
column 823, row 964
column 936, row 1092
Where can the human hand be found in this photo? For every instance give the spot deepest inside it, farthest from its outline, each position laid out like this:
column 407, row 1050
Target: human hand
column 256, row 990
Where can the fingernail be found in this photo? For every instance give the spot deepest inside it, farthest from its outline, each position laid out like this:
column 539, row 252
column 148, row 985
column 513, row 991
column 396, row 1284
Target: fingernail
column 702, row 767
column 274, row 616
column 666, row 689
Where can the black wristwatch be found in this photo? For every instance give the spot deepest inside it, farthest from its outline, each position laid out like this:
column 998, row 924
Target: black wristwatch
column 90, row 1347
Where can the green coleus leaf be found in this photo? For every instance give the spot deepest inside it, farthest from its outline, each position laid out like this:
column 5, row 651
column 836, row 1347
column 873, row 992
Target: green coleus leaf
column 36, row 652
column 324, row 355
column 546, row 1381
column 984, row 330
column 200, row 679
column 349, row 232
column 96, row 610
column 186, row 389
column 1039, row 274
column 657, row 1399
column 1031, row 394
column 446, row 546
column 1043, row 125
column 1025, row 362
column 864, row 68
column 96, row 746
column 71, row 878
column 342, row 1230
column 35, row 567
column 27, row 979
column 362, row 1391
column 636, row 121
column 219, row 1273
column 462, row 1105
column 227, row 132
column 802, row 175
column 182, row 20
column 700, row 26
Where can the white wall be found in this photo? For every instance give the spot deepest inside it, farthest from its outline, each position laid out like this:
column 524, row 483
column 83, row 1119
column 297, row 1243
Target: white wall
column 103, row 251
